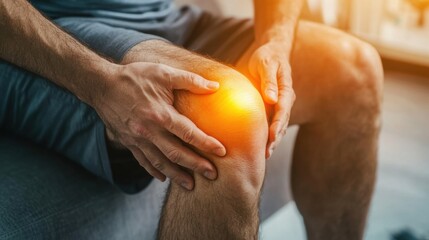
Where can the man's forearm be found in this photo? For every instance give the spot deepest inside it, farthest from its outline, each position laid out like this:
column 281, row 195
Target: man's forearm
column 157, row 51
column 29, row 40
column 274, row 17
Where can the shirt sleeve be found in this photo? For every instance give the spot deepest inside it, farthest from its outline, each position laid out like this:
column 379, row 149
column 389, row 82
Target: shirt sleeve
column 108, row 41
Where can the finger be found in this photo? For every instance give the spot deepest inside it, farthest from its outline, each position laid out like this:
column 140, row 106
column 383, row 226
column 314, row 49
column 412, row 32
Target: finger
column 272, row 139
column 268, row 76
column 169, row 169
column 286, row 100
column 187, row 131
column 268, row 151
column 184, row 80
column 141, row 158
column 177, row 153
column 282, row 109
column 271, row 146
column 281, row 115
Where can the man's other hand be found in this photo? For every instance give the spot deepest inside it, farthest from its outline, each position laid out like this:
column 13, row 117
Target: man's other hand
column 137, row 108
column 270, row 64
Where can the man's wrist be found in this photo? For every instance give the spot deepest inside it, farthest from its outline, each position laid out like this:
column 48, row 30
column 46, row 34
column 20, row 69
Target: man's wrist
column 98, row 78
column 279, row 32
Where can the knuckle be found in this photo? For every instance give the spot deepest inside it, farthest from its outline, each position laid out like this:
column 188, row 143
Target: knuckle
column 154, row 70
column 140, row 130
column 158, row 165
column 159, row 115
column 287, row 91
column 270, row 84
column 174, row 155
column 142, row 163
column 194, row 81
column 166, row 75
column 167, row 120
column 155, row 116
column 160, row 68
column 264, row 61
column 188, row 136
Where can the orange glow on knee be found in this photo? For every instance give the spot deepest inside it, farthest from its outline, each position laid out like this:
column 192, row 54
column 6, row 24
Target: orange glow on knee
column 239, row 101
column 236, row 104
column 233, row 114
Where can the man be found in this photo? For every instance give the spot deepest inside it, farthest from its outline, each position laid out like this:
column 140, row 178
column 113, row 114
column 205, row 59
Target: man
column 192, row 119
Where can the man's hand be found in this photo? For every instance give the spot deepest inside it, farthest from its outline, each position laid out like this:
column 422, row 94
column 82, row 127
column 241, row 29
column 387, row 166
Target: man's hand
column 137, row 107
column 275, row 25
column 270, row 64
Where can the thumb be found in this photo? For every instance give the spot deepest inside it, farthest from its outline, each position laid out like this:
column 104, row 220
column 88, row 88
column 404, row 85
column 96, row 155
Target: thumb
column 184, row 80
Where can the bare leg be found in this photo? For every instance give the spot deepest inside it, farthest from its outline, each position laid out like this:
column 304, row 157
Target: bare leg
column 337, row 81
column 228, row 207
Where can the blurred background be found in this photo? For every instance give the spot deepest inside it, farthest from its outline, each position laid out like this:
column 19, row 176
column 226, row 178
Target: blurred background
column 399, row 29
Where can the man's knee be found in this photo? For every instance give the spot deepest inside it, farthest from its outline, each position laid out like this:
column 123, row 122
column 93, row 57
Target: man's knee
column 363, row 79
column 354, row 85
column 362, row 64
column 235, row 115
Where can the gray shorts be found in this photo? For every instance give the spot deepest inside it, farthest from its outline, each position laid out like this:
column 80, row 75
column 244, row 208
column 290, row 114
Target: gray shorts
column 38, row 110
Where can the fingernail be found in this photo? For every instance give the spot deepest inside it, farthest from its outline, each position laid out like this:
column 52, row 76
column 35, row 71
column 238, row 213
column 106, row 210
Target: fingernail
column 271, row 150
column 271, row 94
column 210, row 175
column 220, row 152
column 186, row 185
column 213, row 85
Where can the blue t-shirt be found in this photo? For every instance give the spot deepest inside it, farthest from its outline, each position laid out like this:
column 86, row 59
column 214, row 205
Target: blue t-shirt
column 160, row 18
column 128, row 10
